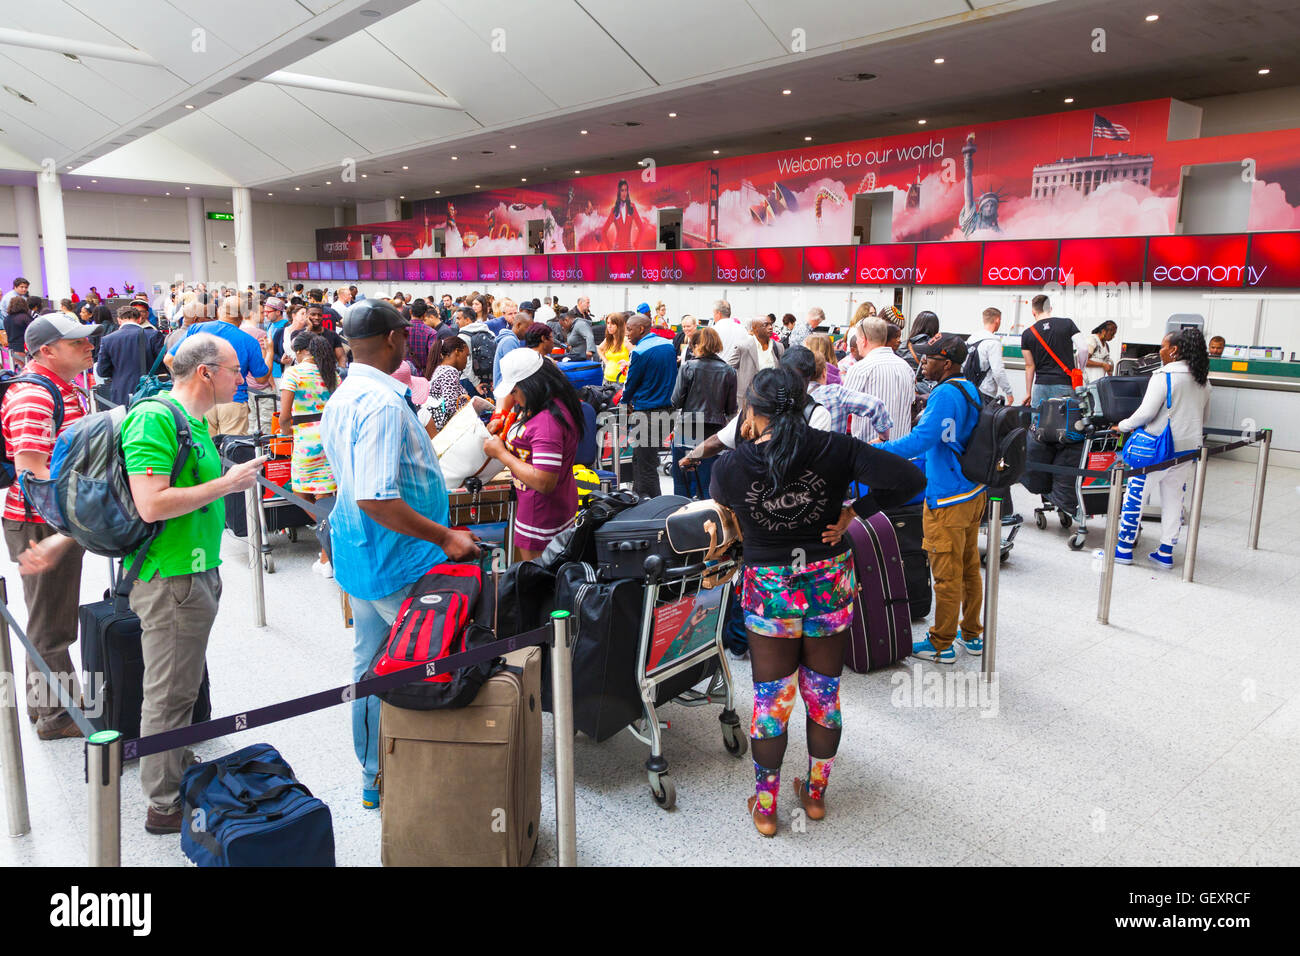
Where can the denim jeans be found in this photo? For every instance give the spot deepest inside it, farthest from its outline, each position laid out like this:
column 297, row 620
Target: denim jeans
column 371, row 622
column 1040, row 392
column 691, row 484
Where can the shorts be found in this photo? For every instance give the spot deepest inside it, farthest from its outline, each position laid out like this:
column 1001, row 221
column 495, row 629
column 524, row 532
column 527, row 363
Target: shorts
column 816, row 601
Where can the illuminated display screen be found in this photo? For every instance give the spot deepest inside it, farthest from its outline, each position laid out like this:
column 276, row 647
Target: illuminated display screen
column 1196, row 261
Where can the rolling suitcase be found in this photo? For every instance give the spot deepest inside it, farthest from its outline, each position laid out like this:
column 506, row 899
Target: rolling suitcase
column 881, row 631
column 463, row 787
column 625, row 541
column 581, row 372
column 908, row 528
column 113, row 663
column 1113, row 398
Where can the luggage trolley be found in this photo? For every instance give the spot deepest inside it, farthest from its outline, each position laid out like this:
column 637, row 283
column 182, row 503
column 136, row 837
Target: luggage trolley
column 1092, row 495
column 682, row 624
column 487, row 510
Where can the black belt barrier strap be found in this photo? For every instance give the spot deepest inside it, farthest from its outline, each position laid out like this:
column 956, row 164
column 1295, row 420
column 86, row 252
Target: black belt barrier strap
column 78, row 716
column 1065, row 470
column 272, row 713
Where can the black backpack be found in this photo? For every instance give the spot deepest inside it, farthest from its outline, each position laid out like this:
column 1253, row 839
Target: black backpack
column 995, row 449
column 972, row 369
column 8, row 378
column 482, row 350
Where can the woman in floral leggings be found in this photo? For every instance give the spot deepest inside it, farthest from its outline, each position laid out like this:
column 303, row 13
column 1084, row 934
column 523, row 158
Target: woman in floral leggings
column 787, row 484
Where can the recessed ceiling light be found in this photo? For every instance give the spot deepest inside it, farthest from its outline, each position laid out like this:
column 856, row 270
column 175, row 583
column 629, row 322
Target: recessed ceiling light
column 321, row 39
column 22, row 96
column 328, row 183
column 524, row 179
column 166, row 194
column 1069, row 99
column 576, row 171
column 672, row 116
column 455, row 157
column 1152, row 17
column 78, row 187
column 68, row 167
column 806, row 139
column 477, row 186
column 187, row 187
column 513, row 146
column 921, row 122
column 94, row 180
column 938, row 60
column 406, row 167
column 1264, row 71
column 371, row 14
column 401, row 197
column 582, row 132
column 270, row 194
column 716, row 151
column 786, row 92
column 189, row 106
column 297, row 189
column 437, row 192
column 365, row 175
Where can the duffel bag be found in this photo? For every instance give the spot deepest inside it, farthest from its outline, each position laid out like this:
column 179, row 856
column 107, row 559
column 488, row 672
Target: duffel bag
column 248, row 809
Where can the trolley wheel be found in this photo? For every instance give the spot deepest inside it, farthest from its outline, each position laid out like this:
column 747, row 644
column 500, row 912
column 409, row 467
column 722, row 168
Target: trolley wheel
column 665, row 797
column 1077, row 541
column 268, row 564
column 736, row 743
column 1040, row 519
column 293, row 534
column 667, row 469
column 1006, row 553
column 1066, row 520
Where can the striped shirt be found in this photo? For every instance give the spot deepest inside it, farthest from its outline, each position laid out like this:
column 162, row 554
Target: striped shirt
column 27, row 417
column 418, row 339
column 379, row 452
column 841, row 402
column 887, row 377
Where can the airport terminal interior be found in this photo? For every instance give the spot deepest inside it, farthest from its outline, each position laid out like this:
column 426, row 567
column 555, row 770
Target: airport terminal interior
column 717, row 163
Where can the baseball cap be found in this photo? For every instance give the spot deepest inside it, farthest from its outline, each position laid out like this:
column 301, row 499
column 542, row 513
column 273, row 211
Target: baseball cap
column 951, row 347
column 644, row 308
column 53, row 327
column 516, row 366
column 371, row 317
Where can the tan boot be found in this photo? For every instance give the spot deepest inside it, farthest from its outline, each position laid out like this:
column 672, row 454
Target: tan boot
column 764, row 823
column 816, row 809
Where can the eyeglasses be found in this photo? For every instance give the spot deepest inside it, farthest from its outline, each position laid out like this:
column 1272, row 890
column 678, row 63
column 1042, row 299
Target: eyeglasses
column 233, row 371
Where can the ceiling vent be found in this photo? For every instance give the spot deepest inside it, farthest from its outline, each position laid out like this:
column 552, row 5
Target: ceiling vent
column 855, row 77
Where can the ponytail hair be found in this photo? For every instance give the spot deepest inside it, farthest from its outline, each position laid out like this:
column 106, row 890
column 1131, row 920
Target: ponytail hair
column 441, row 351
column 779, row 395
column 1191, row 349
column 322, row 354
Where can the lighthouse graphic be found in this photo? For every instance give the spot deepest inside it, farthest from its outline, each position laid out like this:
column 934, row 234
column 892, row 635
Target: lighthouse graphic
column 981, row 214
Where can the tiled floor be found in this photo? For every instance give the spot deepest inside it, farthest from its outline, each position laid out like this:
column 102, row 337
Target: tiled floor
column 1170, row 737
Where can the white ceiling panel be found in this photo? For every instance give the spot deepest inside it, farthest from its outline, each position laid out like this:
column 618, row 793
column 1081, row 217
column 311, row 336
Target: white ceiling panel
column 377, row 126
column 53, row 18
column 278, row 125
column 156, row 157
column 224, row 148
column 828, row 23
column 318, row 6
column 246, row 25
column 55, row 113
column 674, row 40
column 361, row 58
column 147, row 84
column 80, row 82
column 533, row 34
column 165, row 33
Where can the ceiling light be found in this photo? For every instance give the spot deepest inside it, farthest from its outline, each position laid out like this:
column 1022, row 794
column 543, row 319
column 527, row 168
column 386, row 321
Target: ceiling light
column 921, row 122
column 938, row 61
column 166, row 194
column 297, row 189
column 455, row 157
column 513, row 146
column 68, row 167
column 94, row 180
column 406, row 167
column 576, row 171
column 328, row 183
column 524, row 179
column 807, row 139
column 401, row 197
column 270, row 194
column 189, row 106
column 437, row 192
column 187, row 187
column 1069, row 99
column 786, row 92
column 582, row 132
column 672, row 116
column 1036, row 91
column 716, row 151
column 365, row 175
column 78, row 187
column 477, row 186
column 1152, row 17
column 1264, row 71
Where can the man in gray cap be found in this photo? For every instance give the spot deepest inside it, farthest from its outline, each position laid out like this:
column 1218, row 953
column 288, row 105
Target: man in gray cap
column 390, row 520
column 33, row 414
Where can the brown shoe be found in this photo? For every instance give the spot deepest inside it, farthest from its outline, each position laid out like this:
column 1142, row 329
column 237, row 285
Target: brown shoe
column 156, row 821
column 764, row 823
column 816, row 809
column 57, row 726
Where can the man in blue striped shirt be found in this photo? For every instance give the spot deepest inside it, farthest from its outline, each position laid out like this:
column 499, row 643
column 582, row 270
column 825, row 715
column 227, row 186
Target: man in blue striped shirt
column 389, row 523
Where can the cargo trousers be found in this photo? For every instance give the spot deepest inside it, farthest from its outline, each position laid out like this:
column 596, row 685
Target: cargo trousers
column 952, row 543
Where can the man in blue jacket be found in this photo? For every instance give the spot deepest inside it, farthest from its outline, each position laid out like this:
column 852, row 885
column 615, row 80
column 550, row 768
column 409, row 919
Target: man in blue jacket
column 651, row 374
column 954, row 505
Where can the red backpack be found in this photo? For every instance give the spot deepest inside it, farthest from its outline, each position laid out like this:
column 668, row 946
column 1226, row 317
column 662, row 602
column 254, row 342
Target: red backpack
column 447, row 611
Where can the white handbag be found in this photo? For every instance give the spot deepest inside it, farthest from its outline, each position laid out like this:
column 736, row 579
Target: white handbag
column 459, row 447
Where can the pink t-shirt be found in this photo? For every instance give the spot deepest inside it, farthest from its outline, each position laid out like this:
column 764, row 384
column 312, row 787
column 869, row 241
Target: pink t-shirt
column 543, row 442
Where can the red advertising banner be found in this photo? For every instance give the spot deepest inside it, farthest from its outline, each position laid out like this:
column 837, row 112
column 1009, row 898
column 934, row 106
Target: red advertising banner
column 1274, row 261
column 885, row 265
column 732, row 266
column 828, row 265
column 657, row 266
column 783, row 264
column 536, row 269
column 1097, row 261
column 948, row 263
column 622, row 266
column 695, row 265
column 1021, row 263
column 1196, row 261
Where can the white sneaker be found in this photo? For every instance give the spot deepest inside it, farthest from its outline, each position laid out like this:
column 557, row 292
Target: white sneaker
column 323, row 568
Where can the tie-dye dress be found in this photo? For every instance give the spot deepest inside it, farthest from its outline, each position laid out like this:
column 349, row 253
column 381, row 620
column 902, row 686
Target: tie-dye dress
column 309, row 470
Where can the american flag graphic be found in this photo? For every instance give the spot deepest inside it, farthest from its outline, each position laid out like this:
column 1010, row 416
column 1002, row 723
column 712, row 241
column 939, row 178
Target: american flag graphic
column 1106, row 129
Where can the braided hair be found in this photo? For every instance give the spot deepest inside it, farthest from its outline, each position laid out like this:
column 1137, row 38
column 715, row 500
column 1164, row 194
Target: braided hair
column 779, row 394
column 1190, row 343
column 322, row 354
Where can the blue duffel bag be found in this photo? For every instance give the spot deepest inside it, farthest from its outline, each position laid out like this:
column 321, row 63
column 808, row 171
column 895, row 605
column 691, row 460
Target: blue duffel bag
column 248, row 809
column 581, row 372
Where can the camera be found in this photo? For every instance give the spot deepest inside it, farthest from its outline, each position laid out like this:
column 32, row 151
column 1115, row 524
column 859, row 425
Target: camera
column 224, row 245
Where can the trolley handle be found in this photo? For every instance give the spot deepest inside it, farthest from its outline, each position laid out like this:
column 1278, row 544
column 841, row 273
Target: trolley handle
column 656, row 572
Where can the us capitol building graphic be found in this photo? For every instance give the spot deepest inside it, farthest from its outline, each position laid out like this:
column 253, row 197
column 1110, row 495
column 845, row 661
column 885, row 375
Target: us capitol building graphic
column 1086, row 173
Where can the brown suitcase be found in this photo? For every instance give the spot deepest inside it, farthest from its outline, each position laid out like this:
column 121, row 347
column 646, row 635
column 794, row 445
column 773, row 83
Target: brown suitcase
column 464, row 787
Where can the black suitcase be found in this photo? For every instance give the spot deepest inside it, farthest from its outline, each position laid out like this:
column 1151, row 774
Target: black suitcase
column 907, row 522
column 627, row 539
column 241, row 448
column 1060, row 421
column 606, row 636
column 1116, row 397
column 113, row 665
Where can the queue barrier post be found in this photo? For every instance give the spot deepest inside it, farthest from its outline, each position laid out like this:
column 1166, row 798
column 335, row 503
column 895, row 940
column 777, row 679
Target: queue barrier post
column 1111, row 542
column 11, row 747
column 1257, row 505
column 993, row 565
column 253, row 511
column 566, row 836
column 104, row 778
column 1194, row 522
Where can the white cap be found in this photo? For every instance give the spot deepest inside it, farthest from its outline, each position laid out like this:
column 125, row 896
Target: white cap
column 515, row 367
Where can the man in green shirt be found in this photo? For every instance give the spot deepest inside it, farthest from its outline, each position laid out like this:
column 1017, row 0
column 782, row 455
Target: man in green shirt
column 179, row 587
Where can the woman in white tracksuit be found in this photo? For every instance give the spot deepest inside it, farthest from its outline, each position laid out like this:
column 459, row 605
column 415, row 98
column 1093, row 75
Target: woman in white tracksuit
column 1186, row 370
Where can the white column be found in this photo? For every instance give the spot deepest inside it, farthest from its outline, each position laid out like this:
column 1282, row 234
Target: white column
column 245, row 270
column 198, row 239
column 54, row 237
column 338, row 216
column 392, row 210
column 29, row 236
